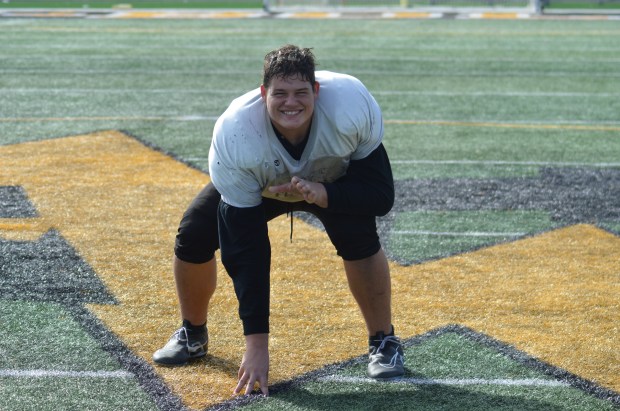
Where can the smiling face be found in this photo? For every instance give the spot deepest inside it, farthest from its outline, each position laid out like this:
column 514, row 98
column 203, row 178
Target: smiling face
column 290, row 104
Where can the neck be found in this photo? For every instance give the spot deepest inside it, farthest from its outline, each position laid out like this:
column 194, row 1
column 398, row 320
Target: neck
column 294, row 137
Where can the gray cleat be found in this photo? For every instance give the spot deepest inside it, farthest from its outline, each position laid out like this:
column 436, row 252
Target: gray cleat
column 182, row 347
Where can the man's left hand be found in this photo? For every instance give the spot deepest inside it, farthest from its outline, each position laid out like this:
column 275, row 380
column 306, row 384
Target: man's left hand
column 313, row 193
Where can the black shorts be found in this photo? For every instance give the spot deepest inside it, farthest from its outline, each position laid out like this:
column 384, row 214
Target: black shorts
column 354, row 236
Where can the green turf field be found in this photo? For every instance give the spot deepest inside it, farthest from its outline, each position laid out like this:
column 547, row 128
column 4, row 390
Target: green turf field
column 499, row 132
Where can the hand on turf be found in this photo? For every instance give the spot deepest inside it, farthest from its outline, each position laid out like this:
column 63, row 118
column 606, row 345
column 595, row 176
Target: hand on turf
column 313, row 193
column 254, row 365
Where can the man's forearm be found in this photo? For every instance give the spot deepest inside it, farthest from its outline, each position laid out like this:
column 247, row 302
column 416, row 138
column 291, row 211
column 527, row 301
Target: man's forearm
column 246, row 255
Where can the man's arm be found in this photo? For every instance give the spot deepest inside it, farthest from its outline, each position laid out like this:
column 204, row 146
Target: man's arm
column 246, row 255
column 366, row 189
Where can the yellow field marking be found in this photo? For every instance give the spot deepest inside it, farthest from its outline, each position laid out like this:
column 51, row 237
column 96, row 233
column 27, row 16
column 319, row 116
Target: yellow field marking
column 23, row 229
column 554, row 296
column 141, row 15
column 584, row 127
column 118, row 203
column 500, row 16
column 410, row 15
column 230, row 15
column 310, row 15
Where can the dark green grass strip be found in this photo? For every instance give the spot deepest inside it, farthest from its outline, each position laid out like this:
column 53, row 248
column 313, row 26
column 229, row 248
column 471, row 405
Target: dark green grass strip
column 451, row 351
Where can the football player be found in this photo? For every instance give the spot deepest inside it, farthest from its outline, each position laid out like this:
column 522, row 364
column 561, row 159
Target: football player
column 303, row 141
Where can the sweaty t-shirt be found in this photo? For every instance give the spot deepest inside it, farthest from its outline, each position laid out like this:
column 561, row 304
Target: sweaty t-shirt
column 246, row 156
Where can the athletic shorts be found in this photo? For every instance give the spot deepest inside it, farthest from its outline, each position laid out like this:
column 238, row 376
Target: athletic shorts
column 354, row 236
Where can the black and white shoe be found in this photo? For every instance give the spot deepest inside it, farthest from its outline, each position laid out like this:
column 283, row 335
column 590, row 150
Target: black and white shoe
column 183, row 346
column 386, row 357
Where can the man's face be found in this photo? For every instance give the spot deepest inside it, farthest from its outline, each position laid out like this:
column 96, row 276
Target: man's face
column 290, row 104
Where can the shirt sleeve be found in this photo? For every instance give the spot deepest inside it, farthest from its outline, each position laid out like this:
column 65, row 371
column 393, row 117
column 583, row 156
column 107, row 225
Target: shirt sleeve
column 369, row 125
column 239, row 153
column 246, row 255
column 366, row 189
column 346, row 100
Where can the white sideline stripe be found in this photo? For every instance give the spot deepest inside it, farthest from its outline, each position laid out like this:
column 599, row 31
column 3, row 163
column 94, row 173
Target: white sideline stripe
column 385, row 92
column 525, row 382
column 482, row 162
column 506, row 163
column 358, row 73
column 110, row 118
column 470, row 48
column 457, row 233
column 63, row 374
column 251, row 60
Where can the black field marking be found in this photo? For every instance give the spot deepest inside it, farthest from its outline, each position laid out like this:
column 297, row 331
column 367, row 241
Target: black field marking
column 14, row 203
column 48, row 269
column 507, row 350
column 570, row 195
column 149, row 381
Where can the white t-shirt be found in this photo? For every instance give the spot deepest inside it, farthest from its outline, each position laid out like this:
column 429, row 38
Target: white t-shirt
column 246, row 156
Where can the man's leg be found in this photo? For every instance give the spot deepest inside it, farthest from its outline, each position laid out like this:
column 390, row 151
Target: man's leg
column 195, row 274
column 369, row 281
column 196, row 284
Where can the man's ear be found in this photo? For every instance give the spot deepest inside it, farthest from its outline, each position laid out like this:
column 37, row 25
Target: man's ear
column 316, row 88
column 263, row 91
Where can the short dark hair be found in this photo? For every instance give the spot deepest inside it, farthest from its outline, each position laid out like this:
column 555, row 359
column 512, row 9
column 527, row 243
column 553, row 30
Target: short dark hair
column 289, row 61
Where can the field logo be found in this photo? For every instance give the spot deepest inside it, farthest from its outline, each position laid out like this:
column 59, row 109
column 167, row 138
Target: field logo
column 101, row 210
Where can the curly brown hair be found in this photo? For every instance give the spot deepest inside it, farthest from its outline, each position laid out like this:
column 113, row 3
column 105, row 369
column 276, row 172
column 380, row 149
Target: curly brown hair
column 289, row 61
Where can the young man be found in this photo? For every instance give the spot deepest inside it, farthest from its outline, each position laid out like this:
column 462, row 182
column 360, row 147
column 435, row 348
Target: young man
column 303, row 141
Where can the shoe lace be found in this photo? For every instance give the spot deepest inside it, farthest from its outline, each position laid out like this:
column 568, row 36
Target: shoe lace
column 376, row 351
column 390, row 339
column 180, row 333
column 183, row 332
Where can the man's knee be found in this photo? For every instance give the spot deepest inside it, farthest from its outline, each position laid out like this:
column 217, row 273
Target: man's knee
column 197, row 237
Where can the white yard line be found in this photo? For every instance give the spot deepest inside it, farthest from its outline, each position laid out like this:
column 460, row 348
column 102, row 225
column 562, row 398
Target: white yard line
column 108, row 118
column 63, row 374
column 506, row 163
column 484, row 163
column 21, row 90
column 457, row 233
column 358, row 73
column 251, row 60
column 523, row 382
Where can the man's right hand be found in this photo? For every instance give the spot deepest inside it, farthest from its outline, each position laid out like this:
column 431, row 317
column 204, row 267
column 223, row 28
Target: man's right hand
column 254, row 365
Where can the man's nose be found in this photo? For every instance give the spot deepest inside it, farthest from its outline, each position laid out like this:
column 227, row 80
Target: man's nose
column 291, row 99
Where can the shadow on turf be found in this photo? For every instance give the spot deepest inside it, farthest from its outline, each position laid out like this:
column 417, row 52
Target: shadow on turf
column 434, row 397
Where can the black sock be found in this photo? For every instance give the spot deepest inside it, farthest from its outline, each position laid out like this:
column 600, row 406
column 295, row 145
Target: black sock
column 194, row 329
column 380, row 335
